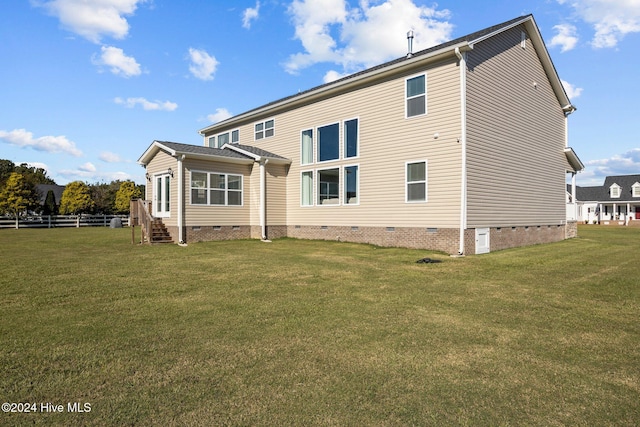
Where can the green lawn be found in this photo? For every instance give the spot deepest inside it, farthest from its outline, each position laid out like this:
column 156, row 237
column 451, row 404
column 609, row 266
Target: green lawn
column 318, row 333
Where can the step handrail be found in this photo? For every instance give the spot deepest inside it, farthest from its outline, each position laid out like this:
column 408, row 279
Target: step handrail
column 140, row 215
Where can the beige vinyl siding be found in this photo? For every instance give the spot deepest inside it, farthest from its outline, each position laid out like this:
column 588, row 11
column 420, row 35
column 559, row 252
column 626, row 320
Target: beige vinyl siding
column 516, row 163
column 202, row 215
column 387, row 140
column 276, row 195
column 160, row 164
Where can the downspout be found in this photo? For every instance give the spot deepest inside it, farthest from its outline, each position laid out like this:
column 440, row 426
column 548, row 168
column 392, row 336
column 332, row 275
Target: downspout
column 462, row 57
column 263, row 198
column 567, row 112
column 180, row 199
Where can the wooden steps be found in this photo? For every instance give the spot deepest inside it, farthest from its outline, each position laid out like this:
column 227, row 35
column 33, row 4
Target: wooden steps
column 159, row 233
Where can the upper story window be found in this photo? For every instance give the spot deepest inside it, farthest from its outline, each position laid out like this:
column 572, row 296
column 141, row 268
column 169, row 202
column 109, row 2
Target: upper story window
column 416, row 102
column 306, row 148
column 264, row 129
column 635, row 189
column 614, row 191
column 329, row 142
column 416, row 185
column 217, row 141
column 351, row 138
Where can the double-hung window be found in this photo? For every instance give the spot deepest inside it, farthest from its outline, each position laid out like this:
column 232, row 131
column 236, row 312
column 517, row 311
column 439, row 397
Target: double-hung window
column 217, row 189
column 416, row 181
column 264, row 129
column 416, row 102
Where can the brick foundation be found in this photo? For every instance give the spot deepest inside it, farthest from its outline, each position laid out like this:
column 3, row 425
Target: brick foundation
column 437, row 239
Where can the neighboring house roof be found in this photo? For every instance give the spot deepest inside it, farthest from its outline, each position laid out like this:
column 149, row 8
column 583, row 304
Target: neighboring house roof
column 230, row 153
column 435, row 53
column 43, row 189
column 602, row 193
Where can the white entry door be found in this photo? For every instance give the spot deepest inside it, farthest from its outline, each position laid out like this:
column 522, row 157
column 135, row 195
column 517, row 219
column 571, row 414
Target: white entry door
column 482, row 240
column 162, row 196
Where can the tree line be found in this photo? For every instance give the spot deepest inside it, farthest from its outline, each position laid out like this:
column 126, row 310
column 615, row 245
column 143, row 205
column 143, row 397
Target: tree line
column 19, row 194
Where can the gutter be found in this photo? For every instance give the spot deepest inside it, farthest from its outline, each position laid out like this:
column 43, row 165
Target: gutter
column 462, row 57
column 180, row 158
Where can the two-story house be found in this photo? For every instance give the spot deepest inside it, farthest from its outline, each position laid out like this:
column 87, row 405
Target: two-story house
column 461, row 147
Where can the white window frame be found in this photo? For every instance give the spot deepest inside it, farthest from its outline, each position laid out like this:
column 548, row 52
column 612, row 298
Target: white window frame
column 313, row 151
column 344, row 139
column 208, row 189
column 313, row 188
column 317, row 142
column 237, row 133
column 264, row 129
column 407, row 182
column 407, row 98
column 317, row 183
column 615, row 191
column 344, row 184
column 635, row 190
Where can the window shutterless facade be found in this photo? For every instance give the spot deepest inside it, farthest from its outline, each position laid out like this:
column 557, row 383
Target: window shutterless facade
column 416, row 181
column 216, row 189
column 217, row 141
column 264, row 129
column 635, row 190
column 416, row 96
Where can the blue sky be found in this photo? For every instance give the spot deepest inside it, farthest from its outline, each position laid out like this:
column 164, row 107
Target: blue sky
column 87, row 85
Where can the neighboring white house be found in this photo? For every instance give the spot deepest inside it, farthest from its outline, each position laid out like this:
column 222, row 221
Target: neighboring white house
column 461, row 147
column 616, row 201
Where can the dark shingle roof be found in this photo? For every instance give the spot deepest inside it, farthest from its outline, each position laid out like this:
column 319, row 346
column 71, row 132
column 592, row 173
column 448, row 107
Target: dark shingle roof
column 221, row 152
column 602, row 194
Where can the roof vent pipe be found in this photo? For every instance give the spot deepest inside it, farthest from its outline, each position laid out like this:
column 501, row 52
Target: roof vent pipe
column 410, row 42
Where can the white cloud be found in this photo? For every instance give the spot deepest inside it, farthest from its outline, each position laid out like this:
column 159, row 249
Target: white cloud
column 109, row 157
column 220, row 115
column 203, row 66
column 50, row 144
column 566, row 37
column 332, row 76
column 250, row 14
column 571, row 90
column 612, row 20
column 362, row 36
column 119, row 63
column 147, row 105
column 620, row 164
column 94, row 19
column 84, row 173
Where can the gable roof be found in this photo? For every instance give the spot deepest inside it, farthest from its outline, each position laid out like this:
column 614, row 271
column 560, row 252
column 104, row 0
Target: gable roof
column 43, row 189
column 601, row 193
column 229, row 153
column 464, row 43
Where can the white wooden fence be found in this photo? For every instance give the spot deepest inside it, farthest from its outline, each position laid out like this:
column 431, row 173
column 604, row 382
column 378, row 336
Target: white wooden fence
column 52, row 221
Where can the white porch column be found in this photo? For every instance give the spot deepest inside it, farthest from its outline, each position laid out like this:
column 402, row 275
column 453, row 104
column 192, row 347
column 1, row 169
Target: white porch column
column 180, row 199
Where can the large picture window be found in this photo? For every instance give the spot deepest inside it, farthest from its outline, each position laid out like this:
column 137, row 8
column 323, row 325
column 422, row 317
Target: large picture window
column 329, row 142
column 217, row 189
column 329, row 187
column 416, row 96
column 416, row 182
column 351, row 138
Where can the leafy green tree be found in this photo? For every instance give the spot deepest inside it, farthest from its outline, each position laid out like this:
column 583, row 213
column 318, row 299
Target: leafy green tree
column 7, row 167
column 104, row 196
column 76, row 199
column 50, row 206
column 16, row 196
column 33, row 175
column 128, row 190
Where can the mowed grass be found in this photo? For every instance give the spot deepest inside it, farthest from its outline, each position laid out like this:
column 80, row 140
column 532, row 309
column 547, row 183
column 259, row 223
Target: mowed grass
column 318, row 333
